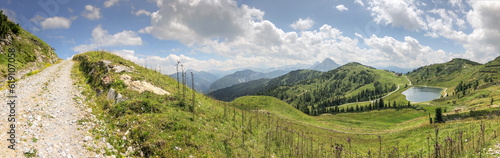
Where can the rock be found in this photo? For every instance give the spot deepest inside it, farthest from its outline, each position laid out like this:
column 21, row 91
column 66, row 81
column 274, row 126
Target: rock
column 121, row 68
column 87, row 138
column 119, row 98
column 105, row 63
column 111, row 94
column 91, row 72
column 26, row 150
column 106, row 80
column 142, row 86
column 109, row 146
column 126, row 79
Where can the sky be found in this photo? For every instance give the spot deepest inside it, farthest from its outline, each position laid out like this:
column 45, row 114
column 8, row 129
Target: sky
column 229, row 34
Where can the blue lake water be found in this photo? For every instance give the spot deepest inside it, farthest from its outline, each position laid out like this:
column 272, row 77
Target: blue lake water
column 421, row 94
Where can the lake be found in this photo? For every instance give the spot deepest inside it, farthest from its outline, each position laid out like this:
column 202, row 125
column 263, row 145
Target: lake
column 421, row 94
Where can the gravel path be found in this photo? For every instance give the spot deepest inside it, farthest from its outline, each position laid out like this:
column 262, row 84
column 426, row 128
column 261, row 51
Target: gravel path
column 49, row 114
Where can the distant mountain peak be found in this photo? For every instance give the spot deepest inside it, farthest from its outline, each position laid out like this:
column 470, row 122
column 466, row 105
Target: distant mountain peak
column 328, row 60
column 326, row 65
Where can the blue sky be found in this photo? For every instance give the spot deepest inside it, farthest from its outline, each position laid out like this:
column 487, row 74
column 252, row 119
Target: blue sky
column 228, row 34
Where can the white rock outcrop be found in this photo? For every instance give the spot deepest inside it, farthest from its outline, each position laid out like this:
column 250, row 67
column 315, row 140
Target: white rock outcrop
column 142, row 86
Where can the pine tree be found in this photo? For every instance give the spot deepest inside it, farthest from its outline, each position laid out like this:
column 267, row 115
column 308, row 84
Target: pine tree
column 381, row 103
column 439, row 116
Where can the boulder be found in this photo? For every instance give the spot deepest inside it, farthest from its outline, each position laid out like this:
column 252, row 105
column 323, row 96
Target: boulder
column 111, row 94
column 115, row 97
column 119, row 98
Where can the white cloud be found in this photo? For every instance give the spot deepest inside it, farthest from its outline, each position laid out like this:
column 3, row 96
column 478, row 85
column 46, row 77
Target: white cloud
column 142, row 12
column 55, row 23
column 110, row 3
column 359, row 2
column 73, row 18
column 241, row 35
column 91, row 12
column 483, row 41
column 407, row 53
column 481, row 44
column 101, row 38
column 70, row 10
column 358, row 35
column 202, row 21
column 398, row 13
column 302, row 24
column 341, row 8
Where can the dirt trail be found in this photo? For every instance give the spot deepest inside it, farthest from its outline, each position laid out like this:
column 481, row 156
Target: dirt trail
column 49, row 115
column 408, row 80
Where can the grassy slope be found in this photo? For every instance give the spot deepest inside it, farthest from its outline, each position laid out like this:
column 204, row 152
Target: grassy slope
column 217, row 130
column 27, row 45
column 447, row 74
column 405, row 125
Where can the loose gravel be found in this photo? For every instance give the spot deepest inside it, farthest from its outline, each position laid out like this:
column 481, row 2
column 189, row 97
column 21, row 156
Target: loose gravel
column 51, row 118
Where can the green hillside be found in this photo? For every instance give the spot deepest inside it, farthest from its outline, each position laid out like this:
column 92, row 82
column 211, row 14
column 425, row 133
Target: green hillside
column 447, row 74
column 31, row 53
column 252, row 87
column 352, row 82
column 238, row 90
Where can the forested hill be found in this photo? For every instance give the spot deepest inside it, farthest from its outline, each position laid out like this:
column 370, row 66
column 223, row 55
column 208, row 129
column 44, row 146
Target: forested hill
column 352, row 82
column 248, row 88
